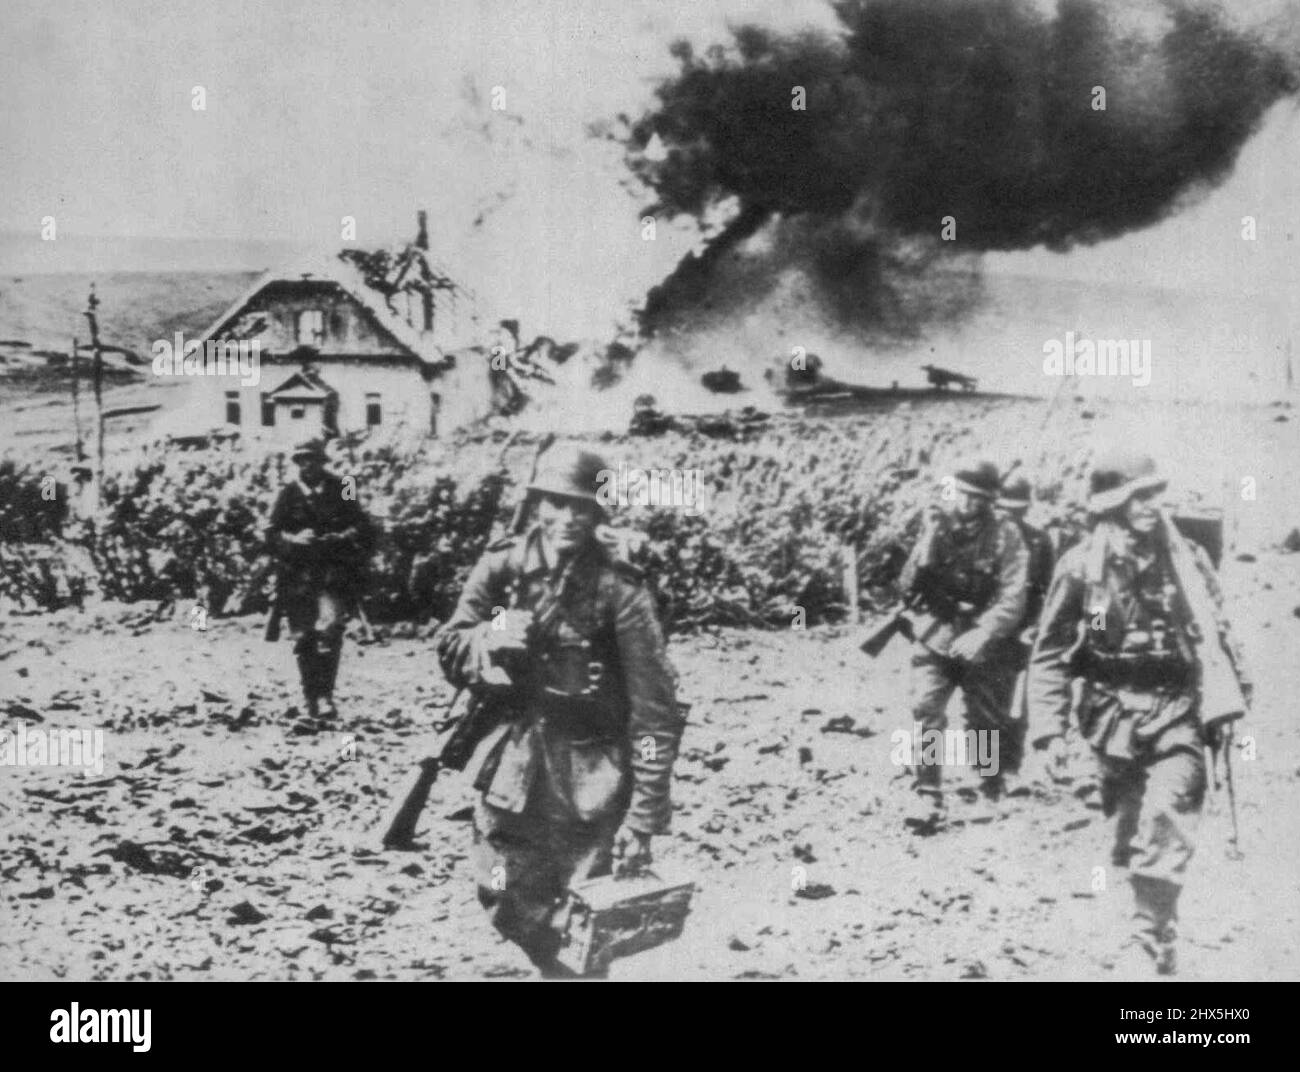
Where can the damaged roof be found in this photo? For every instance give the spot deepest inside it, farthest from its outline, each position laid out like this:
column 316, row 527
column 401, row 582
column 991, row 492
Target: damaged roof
column 344, row 274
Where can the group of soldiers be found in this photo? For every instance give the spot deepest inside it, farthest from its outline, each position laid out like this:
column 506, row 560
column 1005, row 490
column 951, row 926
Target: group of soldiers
column 1107, row 641
column 557, row 633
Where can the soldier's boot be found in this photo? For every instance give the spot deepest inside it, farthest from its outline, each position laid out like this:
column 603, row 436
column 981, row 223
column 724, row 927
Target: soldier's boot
column 1150, row 947
column 328, row 672
column 1167, row 952
column 542, row 948
column 926, row 812
column 331, row 652
column 1137, row 957
column 1159, row 899
column 307, row 676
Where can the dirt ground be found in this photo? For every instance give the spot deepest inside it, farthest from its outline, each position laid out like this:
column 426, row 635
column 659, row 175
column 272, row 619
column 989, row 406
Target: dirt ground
column 227, row 839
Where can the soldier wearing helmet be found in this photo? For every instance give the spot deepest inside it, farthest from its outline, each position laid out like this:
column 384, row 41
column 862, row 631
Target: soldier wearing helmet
column 968, row 573
column 563, row 637
column 1117, row 625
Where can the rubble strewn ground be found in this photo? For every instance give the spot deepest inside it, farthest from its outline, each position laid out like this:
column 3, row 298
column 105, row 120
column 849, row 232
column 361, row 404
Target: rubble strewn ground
column 227, row 839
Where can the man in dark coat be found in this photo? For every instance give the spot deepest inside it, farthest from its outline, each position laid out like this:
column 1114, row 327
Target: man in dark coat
column 322, row 540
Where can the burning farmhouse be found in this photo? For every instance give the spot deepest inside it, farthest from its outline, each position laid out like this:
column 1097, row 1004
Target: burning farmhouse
column 348, row 343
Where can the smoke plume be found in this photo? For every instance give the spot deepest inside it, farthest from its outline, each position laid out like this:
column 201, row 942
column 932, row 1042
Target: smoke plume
column 1013, row 125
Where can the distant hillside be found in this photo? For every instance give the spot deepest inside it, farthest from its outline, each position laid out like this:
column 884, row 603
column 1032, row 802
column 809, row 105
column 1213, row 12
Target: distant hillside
column 26, row 254
column 136, row 308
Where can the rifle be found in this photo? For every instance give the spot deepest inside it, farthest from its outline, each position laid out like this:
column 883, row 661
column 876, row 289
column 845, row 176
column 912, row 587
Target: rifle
column 1222, row 696
column 897, row 623
column 901, row 623
column 272, row 632
column 468, row 729
column 1225, row 744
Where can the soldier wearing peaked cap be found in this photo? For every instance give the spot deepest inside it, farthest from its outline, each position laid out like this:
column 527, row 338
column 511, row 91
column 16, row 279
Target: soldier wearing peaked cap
column 1118, row 624
column 968, row 572
column 322, row 540
column 562, row 638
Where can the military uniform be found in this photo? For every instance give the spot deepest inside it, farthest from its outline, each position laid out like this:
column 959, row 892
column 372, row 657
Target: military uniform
column 589, row 735
column 1014, row 501
column 970, row 576
column 317, row 585
column 1116, row 621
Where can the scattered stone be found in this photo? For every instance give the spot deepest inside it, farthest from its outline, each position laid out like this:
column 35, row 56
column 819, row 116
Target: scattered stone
column 244, row 914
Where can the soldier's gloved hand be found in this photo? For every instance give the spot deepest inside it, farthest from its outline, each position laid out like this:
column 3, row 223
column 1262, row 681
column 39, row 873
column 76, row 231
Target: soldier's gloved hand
column 508, row 631
column 631, row 851
column 970, row 646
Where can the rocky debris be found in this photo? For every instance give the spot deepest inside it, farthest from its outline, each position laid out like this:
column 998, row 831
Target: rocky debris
column 785, row 764
column 244, row 914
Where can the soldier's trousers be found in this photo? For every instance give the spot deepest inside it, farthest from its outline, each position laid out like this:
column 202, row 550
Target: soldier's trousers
column 987, row 688
column 317, row 619
column 525, row 862
column 1156, row 797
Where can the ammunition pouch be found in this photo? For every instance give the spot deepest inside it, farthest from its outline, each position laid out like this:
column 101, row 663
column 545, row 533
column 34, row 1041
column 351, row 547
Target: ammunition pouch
column 570, row 670
column 580, row 718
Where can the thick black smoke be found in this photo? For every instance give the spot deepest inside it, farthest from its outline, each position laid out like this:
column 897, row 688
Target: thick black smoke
column 985, row 112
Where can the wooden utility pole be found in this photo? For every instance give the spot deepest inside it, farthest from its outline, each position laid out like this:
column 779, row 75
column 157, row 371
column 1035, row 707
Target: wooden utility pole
column 97, row 378
column 849, row 560
column 76, row 399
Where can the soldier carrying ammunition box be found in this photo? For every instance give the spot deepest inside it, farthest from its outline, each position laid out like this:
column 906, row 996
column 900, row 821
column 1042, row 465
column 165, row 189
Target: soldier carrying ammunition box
column 1124, row 615
column 562, row 638
column 322, row 540
column 968, row 573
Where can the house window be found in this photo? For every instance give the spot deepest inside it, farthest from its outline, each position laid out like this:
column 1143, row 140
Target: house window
column 374, row 413
column 268, row 411
column 297, row 413
column 232, row 407
column 311, row 327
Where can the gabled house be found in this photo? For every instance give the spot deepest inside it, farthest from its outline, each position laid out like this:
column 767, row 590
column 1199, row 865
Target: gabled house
column 348, row 343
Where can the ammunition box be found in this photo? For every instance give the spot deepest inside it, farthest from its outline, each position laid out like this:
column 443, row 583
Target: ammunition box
column 608, row 918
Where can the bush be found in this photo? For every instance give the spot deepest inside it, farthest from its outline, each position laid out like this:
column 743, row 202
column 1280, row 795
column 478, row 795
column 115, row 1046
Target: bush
column 781, row 514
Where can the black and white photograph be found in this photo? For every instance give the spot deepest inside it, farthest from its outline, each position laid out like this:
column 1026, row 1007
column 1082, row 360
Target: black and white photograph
column 651, row 491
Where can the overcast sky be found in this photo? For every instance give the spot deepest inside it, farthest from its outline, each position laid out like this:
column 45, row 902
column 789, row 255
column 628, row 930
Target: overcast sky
column 320, row 110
